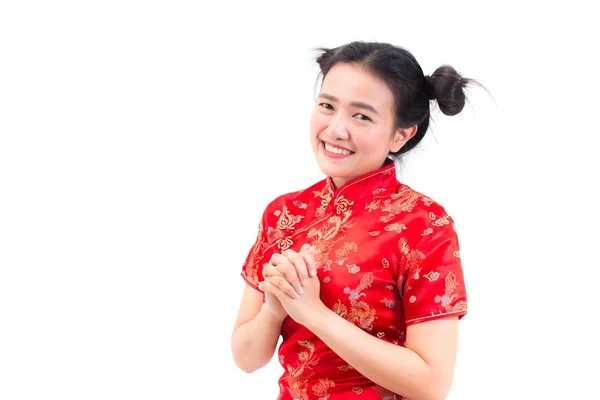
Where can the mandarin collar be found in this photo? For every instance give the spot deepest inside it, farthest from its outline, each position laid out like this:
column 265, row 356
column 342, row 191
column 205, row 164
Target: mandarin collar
column 370, row 184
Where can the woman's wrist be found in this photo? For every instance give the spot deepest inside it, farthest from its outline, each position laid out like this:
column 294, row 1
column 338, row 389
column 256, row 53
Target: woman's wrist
column 319, row 317
column 271, row 315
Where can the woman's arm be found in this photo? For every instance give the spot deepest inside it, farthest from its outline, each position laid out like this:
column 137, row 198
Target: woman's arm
column 421, row 371
column 256, row 332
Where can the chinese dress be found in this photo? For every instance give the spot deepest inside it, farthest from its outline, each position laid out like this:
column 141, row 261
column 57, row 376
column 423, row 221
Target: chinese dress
column 387, row 257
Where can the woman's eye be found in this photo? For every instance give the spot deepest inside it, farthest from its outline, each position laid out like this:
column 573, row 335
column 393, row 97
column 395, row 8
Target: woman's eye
column 326, row 106
column 363, row 117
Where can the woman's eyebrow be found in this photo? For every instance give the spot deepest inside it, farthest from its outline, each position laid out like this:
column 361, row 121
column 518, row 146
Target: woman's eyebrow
column 357, row 104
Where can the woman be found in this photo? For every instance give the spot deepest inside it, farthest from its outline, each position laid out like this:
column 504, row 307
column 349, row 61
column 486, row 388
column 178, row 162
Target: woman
column 359, row 273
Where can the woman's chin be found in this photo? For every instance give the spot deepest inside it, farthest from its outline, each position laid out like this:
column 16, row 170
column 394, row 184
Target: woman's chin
column 333, row 171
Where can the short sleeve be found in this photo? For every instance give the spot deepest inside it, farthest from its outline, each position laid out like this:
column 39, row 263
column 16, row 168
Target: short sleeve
column 434, row 284
column 252, row 267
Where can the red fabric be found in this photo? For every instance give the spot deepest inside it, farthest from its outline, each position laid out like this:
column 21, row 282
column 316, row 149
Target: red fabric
column 388, row 257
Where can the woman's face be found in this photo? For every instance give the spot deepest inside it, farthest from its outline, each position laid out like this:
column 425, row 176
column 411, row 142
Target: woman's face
column 352, row 125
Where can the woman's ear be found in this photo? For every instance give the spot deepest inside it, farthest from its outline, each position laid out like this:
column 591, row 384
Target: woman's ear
column 401, row 136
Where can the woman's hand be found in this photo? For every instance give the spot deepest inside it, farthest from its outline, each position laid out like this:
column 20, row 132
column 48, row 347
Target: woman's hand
column 299, row 307
column 290, row 271
column 283, row 269
column 274, row 306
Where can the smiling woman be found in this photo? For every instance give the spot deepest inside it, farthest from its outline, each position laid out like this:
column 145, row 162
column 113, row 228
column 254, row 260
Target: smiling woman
column 354, row 100
column 359, row 273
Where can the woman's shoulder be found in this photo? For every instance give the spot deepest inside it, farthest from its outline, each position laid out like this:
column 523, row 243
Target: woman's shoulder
column 421, row 207
column 427, row 201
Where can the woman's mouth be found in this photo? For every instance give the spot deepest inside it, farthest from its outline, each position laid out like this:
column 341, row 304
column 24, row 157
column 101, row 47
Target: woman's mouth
column 336, row 151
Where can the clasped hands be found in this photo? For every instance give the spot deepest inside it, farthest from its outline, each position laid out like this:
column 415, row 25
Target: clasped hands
column 291, row 285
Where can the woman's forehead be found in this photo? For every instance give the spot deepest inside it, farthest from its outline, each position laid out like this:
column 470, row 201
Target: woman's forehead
column 348, row 83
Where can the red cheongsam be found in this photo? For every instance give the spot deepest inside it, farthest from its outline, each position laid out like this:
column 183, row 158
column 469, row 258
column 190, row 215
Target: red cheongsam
column 388, row 257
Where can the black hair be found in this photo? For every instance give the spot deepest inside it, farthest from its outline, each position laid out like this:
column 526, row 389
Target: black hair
column 412, row 90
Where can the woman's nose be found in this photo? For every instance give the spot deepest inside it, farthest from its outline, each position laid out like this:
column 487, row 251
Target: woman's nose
column 337, row 127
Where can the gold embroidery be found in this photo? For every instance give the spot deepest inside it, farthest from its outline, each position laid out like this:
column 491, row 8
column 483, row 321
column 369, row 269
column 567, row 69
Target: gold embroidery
column 325, row 199
column 377, row 191
column 353, row 268
column 274, row 234
column 395, row 227
column 427, row 231
column 321, row 388
column 432, row 215
column 412, row 257
column 296, row 378
column 427, row 201
column 284, row 244
column 446, row 299
column 406, row 202
column 374, row 233
column 412, row 260
column 343, row 252
column 323, row 236
column 432, row 276
column 287, row 220
column 342, row 204
column 374, row 205
column 404, row 191
column 357, row 389
column 327, row 266
column 456, row 254
column 360, row 313
column 385, row 263
column 442, row 221
column 346, row 367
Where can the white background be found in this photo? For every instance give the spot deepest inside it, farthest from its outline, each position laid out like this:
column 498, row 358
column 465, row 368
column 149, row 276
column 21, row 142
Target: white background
column 140, row 142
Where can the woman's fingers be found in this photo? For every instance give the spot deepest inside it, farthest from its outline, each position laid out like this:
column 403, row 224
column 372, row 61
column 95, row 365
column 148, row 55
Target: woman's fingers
column 294, row 268
column 281, row 285
column 270, row 270
column 304, row 247
column 268, row 287
column 309, row 259
column 300, row 266
column 288, row 270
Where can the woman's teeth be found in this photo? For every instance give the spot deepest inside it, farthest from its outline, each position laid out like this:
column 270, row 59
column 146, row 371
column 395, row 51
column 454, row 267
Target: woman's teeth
column 337, row 150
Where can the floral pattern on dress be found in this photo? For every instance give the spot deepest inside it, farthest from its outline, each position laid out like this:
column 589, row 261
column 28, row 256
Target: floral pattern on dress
column 387, row 257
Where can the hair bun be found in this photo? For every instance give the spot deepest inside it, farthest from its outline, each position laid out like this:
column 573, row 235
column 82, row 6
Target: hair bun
column 446, row 85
